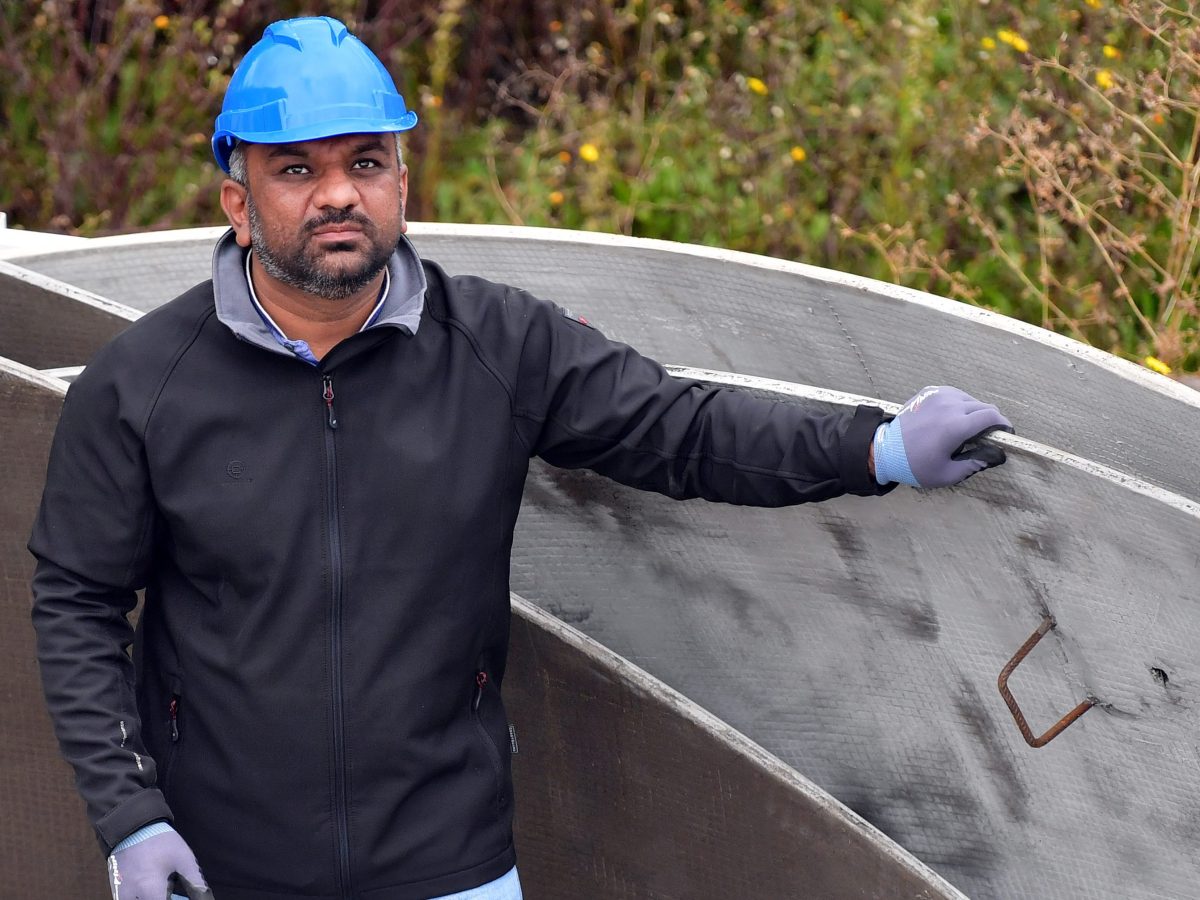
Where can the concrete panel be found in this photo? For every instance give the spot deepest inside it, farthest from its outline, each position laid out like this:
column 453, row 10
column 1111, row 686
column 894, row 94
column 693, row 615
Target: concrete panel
column 47, row 323
column 46, row 847
column 759, row 316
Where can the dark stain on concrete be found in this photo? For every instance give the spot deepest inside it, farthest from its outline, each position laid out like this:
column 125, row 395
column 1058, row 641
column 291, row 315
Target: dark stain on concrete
column 866, row 588
column 995, row 754
column 921, row 621
column 1037, row 595
column 574, row 617
column 1008, row 494
column 948, row 824
column 1041, row 542
column 850, row 546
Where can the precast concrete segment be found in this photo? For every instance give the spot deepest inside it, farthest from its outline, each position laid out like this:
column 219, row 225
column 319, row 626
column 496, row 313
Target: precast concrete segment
column 46, row 847
column 47, row 323
column 627, row 789
column 860, row 641
column 766, row 317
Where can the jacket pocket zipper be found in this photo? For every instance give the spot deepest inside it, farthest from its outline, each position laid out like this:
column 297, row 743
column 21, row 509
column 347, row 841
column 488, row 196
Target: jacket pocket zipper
column 173, row 731
column 481, row 680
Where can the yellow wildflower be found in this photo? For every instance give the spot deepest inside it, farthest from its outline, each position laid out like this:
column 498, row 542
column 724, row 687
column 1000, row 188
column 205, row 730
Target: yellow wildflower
column 556, row 198
column 564, row 156
column 1094, row 4
column 1157, row 118
column 589, row 153
column 1157, row 365
column 1111, row 52
column 1013, row 40
column 757, row 85
column 798, row 154
column 161, row 22
column 987, row 43
column 1105, row 79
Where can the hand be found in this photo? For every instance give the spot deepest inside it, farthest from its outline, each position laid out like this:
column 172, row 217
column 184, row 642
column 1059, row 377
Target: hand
column 152, row 862
column 931, row 442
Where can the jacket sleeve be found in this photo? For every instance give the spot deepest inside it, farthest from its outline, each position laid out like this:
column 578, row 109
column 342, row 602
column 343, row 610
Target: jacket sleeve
column 92, row 542
column 585, row 401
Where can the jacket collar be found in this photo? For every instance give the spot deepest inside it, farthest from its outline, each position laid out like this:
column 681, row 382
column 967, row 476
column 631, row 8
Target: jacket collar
column 402, row 305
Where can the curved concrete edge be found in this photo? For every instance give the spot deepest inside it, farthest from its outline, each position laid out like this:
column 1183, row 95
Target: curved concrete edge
column 828, row 810
column 12, row 368
column 1114, row 364
column 66, row 373
column 49, row 323
column 21, row 242
column 79, row 295
column 1013, row 441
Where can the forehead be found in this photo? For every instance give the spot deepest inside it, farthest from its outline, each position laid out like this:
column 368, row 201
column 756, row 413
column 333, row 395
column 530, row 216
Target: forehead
column 331, row 147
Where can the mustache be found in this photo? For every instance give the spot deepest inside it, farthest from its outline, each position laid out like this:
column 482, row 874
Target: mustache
column 339, row 217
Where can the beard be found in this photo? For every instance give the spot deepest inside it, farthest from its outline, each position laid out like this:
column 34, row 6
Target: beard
column 314, row 270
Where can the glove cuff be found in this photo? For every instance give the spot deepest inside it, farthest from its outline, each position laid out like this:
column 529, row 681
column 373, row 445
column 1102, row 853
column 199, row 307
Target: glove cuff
column 144, row 833
column 891, row 462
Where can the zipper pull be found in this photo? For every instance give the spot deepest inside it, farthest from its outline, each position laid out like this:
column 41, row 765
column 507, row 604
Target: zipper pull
column 327, row 395
column 481, row 679
column 173, row 712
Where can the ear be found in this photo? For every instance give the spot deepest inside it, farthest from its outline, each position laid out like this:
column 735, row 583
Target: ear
column 403, row 197
column 234, row 200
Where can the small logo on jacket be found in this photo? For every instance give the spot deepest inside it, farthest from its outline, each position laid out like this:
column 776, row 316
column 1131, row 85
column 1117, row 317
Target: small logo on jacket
column 235, row 472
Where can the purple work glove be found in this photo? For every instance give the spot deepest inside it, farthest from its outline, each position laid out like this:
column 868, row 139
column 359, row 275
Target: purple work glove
column 151, row 863
column 932, row 440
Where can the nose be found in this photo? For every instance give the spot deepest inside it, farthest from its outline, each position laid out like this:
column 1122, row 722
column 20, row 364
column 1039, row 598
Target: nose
column 335, row 189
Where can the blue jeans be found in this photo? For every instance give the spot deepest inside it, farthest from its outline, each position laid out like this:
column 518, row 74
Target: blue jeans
column 506, row 887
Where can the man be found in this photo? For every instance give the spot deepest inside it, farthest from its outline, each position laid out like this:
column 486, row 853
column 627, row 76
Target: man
column 313, row 466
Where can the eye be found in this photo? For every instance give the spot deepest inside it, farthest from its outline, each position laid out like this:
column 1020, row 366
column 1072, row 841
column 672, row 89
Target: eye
column 294, row 169
column 365, row 164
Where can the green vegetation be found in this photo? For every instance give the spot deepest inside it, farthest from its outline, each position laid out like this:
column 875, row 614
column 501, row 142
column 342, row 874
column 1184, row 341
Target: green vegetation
column 1041, row 159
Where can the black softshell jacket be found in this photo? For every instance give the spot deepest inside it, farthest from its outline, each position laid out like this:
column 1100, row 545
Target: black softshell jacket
column 325, row 558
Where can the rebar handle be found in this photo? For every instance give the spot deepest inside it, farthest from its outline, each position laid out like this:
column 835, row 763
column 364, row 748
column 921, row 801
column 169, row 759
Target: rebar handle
column 1058, row 727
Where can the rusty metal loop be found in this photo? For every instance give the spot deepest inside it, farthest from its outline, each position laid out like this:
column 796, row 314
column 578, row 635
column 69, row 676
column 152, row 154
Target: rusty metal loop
column 1055, row 730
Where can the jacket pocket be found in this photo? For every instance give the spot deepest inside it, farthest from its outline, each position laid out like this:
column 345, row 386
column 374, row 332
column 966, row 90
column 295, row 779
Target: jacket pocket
column 482, row 703
column 174, row 712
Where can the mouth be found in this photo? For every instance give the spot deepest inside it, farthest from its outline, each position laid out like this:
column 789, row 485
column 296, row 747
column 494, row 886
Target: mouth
column 338, row 233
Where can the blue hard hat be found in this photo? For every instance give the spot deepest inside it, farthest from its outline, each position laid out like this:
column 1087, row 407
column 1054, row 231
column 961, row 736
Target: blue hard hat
column 307, row 79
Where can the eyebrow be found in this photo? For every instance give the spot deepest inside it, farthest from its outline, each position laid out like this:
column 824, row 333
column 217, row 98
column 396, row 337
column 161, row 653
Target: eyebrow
column 369, row 145
column 278, row 150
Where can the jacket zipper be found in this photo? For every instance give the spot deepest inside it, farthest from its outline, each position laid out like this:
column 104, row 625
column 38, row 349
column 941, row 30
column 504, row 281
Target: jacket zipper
column 340, row 804
column 481, row 680
column 173, row 730
column 173, row 715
